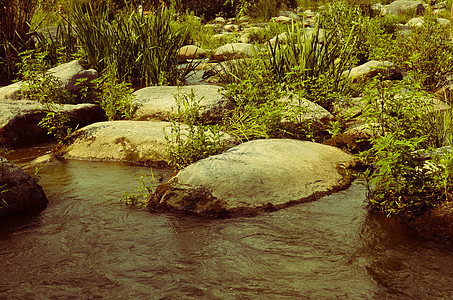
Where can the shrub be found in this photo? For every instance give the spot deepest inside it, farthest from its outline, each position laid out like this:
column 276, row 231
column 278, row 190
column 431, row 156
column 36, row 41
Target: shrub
column 255, row 91
column 115, row 98
column 189, row 140
column 427, row 51
column 407, row 127
column 46, row 89
column 372, row 35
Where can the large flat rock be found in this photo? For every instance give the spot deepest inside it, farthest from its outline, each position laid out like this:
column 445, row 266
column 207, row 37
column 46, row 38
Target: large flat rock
column 253, row 177
column 130, row 141
column 159, row 103
column 19, row 121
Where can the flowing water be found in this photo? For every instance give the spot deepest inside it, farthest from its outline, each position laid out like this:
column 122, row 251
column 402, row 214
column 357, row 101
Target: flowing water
column 87, row 245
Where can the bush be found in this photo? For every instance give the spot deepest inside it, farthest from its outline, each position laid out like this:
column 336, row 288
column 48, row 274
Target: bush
column 345, row 19
column 255, row 91
column 189, row 140
column 46, row 89
column 407, row 128
column 427, row 51
column 115, row 97
column 260, row 9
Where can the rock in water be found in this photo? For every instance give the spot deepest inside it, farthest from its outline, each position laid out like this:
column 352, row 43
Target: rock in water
column 19, row 192
column 253, row 177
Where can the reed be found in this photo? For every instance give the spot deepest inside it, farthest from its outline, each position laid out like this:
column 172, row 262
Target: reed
column 143, row 48
column 15, row 18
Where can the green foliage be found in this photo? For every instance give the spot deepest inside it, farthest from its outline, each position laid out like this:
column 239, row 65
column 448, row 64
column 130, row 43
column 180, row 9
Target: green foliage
column 345, row 19
column 58, row 47
column 189, row 140
column 46, row 89
column 406, row 127
column 115, row 97
column 311, row 66
column 142, row 48
column 427, row 50
column 403, row 107
column 254, row 121
column 146, row 186
column 262, row 9
column 38, row 85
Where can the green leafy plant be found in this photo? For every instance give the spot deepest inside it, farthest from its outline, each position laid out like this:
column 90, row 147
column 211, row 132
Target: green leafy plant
column 426, row 51
column 47, row 90
column 189, row 140
column 115, row 97
column 146, row 186
column 403, row 179
column 15, row 18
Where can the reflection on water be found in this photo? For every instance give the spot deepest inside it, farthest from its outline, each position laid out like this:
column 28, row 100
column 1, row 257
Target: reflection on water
column 86, row 244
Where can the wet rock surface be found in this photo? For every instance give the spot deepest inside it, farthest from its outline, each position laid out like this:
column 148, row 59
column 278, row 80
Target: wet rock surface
column 19, row 192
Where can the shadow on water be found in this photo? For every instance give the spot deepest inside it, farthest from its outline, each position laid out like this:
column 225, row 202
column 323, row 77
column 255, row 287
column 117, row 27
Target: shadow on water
column 86, row 244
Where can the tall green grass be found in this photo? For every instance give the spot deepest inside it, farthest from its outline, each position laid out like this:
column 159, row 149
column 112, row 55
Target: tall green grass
column 142, row 48
column 312, row 63
column 15, row 18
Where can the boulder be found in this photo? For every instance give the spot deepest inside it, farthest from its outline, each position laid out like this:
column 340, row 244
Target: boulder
column 256, row 176
column 308, row 13
column 231, row 27
column 191, row 52
column 354, row 140
column 289, row 14
column 348, row 108
column 244, row 19
column 400, row 7
column 128, row 141
column 377, row 9
column 252, row 34
column 235, row 50
column 282, row 19
column 158, row 102
column 373, row 68
column 220, row 20
column 11, row 91
column 19, row 121
column 19, row 192
column 301, row 109
column 68, row 73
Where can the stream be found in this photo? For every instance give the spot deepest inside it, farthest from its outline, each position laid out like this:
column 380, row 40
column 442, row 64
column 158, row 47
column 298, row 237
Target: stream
column 88, row 245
